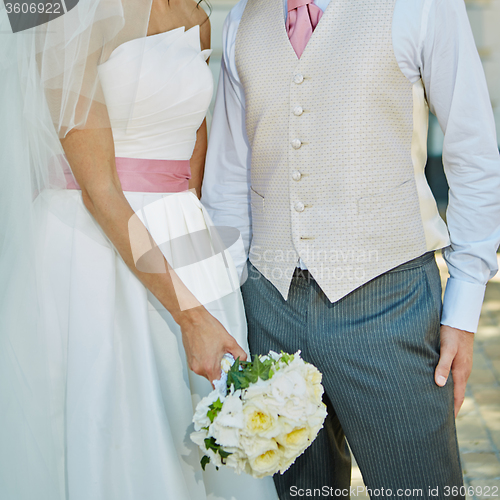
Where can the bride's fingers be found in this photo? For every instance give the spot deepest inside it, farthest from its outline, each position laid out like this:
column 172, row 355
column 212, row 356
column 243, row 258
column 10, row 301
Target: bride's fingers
column 214, row 373
column 237, row 352
column 211, row 366
column 205, row 343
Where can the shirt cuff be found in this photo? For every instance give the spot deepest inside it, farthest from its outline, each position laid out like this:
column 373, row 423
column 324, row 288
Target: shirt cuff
column 462, row 304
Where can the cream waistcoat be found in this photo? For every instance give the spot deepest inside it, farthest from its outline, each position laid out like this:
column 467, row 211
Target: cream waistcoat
column 338, row 140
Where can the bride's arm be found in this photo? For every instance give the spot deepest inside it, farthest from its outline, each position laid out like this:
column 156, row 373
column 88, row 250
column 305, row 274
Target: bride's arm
column 197, row 161
column 200, row 150
column 90, row 153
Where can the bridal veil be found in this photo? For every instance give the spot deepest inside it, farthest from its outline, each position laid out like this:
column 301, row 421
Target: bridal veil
column 48, row 86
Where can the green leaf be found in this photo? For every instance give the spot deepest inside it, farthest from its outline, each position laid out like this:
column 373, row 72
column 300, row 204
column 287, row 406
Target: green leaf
column 260, row 369
column 252, row 376
column 224, row 454
column 216, row 405
column 235, row 367
column 236, row 377
column 243, row 373
column 268, row 362
column 215, row 408
column 245, row 364
column 239, row 380
column 211, row 444
column 204, row 461
column 232, row 372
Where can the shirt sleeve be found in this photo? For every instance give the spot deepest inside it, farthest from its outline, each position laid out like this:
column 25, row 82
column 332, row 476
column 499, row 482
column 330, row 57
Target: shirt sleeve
column 457, row 94
column 226, row 183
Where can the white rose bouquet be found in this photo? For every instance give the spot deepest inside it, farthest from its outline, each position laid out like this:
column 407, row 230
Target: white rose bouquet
column 262, row 415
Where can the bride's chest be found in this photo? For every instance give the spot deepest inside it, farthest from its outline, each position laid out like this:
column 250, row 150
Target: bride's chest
column 157, row 78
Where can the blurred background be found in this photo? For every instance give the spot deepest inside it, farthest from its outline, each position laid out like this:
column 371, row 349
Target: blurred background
column 478, row 424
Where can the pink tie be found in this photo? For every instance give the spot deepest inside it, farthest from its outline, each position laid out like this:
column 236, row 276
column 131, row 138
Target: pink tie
column 303, row 17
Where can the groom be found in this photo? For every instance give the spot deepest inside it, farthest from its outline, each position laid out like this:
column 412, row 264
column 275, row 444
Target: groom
column 317, row 155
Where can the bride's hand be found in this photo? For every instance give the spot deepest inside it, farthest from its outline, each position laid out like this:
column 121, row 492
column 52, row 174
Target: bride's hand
column 205, row 342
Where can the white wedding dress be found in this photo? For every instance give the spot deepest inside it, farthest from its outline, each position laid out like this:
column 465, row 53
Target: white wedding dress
column 122, row 393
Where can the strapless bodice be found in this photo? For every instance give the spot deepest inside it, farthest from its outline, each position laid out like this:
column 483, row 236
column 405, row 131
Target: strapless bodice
column 157, row 92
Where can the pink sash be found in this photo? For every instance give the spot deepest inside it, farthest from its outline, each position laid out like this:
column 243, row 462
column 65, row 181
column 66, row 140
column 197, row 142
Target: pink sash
column 148, row 176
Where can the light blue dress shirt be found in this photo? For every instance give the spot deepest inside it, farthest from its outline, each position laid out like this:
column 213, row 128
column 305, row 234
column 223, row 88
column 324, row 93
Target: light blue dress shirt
column 432, row 40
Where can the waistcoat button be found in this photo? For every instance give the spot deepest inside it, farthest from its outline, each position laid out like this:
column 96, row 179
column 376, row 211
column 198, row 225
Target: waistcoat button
column 296, row 175
column 298, row 79
column 298, row 110
column 296, row 143
column 299, row 206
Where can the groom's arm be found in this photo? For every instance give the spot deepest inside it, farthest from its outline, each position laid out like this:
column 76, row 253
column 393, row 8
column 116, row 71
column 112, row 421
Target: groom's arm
column 457, row 94
column 226, row 184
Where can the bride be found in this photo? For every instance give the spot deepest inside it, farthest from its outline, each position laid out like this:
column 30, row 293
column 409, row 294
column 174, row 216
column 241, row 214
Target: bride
column 115, row 307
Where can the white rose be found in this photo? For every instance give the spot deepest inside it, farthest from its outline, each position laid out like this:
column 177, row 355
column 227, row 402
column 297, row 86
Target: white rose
column 320, row 412
column 236, row 452
column 237, row 460
column 312, row 375
column 266, row 464
column 295, row 440
column 313, row 407
column 317, row 392
column 266, row 402
column 286, row 463
column 253, row 446
column 260, row 420
column 315, row 423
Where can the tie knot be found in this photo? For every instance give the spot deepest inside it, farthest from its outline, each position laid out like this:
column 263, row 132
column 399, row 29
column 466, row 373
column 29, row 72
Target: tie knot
column 295, row 4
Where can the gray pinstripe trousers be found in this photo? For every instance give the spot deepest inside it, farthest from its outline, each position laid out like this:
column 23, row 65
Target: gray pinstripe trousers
column 377, row 349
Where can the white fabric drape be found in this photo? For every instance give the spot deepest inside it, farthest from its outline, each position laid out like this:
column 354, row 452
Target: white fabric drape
column 48, row 85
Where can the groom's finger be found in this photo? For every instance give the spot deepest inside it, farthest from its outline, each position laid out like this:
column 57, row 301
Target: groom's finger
column 459, row 384
column 446, row 357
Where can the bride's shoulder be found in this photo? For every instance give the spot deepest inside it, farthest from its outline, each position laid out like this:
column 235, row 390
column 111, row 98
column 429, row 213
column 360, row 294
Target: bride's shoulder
column 202, row 18
column 205, row 35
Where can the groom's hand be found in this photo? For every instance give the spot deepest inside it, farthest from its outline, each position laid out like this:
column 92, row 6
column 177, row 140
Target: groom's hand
column 456, row 354
column 205, row 342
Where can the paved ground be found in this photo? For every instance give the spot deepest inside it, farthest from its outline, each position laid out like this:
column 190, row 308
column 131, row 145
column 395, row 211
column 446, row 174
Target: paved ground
column 478, row 423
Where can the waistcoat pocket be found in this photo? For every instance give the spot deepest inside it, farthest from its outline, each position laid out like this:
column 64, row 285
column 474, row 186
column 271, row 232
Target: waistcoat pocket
column 386, row 201
column 256, row 200
column 391, row 219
